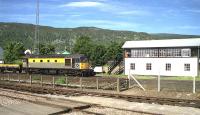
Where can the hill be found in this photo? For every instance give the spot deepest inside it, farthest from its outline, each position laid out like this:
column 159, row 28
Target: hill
column 65, row 37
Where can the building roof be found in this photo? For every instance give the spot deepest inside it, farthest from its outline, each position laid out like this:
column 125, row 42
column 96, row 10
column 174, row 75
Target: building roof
column 63, row 52
column 55, row 56
column 189, row 42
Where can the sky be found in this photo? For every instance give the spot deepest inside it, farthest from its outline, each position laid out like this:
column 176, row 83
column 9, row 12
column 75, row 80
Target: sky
column 152, row 16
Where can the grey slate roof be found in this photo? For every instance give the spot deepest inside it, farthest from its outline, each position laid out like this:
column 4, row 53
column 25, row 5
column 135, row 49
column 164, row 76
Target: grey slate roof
column 55, row 56
column 189, row 42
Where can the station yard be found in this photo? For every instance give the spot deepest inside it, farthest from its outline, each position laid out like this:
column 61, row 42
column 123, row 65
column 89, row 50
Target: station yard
column 171, row 87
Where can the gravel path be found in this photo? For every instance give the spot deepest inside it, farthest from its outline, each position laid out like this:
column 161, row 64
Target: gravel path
column 6, row 101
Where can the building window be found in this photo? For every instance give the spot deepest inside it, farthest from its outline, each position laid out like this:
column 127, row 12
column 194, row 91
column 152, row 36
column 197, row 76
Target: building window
column 168, row 67
column 148, row 66
column 132, row 66
column 186, row 52
column 41, row 60
column 33, row 60
column 48, row 60
column 144, row 53
column 55, row 60
column 187, row 67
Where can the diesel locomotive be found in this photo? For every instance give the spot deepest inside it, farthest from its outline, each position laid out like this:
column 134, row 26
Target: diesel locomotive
column 66, row 64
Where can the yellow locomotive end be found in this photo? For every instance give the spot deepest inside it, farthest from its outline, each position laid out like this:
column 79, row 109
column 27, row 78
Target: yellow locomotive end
column 10, row 65
column 84, row 65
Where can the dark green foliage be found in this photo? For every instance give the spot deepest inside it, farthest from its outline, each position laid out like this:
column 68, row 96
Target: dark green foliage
column 63, row 38
column 13, row 51
column 97, row 54
column 45, row 49
column 113, row 50
column 83, row 45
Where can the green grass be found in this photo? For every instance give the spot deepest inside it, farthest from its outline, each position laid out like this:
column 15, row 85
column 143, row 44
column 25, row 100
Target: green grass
column 60, row 80
column 189, row 78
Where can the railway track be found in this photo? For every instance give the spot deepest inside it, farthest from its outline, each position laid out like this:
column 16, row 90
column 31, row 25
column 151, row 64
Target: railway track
column 70, row 92
column 83, row 109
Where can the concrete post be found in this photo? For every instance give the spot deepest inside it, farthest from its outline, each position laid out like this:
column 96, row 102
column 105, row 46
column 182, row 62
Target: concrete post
column 194, row 85
column 158, row 83
column 18, row 78
column 8, row 77
column 81, row 83
column 30, row 78
column 127, row 85
column 118, row 85
column 97, row 82
column 53, row 82
column 66, row 81
column 41, row 80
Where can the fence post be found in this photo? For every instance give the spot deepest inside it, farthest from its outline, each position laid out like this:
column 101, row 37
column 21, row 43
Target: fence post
column 127, row 85
column 129, row 82
column 8, row 77
column 53, row 82
column 30, row 77
column 66, row 81
column 194, row 85
column 81, row 82
column 41, row 80
column 97, row 81
column 118, row 85
column 18, row 78
column 158, row 83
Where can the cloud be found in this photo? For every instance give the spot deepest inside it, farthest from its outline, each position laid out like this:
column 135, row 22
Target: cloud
column 134, row 12
column 83, row 4
column 194, row 11
column 107, row 24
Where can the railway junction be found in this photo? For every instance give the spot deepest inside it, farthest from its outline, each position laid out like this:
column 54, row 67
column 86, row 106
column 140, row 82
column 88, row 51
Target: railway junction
column 21, row 95
column 66, row 84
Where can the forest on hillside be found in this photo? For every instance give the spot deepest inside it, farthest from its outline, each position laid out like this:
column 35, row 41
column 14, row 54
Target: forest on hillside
column 64, row 38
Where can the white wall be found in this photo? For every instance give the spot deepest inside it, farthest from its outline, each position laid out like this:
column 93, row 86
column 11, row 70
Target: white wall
column 159, row 64
column 1, row 61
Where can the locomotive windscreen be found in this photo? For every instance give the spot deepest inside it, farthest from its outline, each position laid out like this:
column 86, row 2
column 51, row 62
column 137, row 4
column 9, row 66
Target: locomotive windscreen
column 67, row 62
column 83, row 59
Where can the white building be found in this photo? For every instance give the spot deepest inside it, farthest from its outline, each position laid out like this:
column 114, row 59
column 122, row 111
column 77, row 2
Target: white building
column 172, row 57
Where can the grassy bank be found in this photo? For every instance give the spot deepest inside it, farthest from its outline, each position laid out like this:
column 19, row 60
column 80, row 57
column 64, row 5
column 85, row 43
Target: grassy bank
column 189, row 78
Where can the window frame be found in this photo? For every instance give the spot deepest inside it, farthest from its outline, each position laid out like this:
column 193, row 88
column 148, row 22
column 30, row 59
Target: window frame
column 148, row 66
column 187, row 67
column 168, row 67
column 132, row 66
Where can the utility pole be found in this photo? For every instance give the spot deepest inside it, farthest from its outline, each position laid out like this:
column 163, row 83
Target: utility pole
column 36, row 41
column 198, row 61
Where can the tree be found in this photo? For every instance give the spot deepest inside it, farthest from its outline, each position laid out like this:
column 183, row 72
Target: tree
column 83, row 45
column 45, row 49
column 97, row 55
column 13, row 51
column 113, row 51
